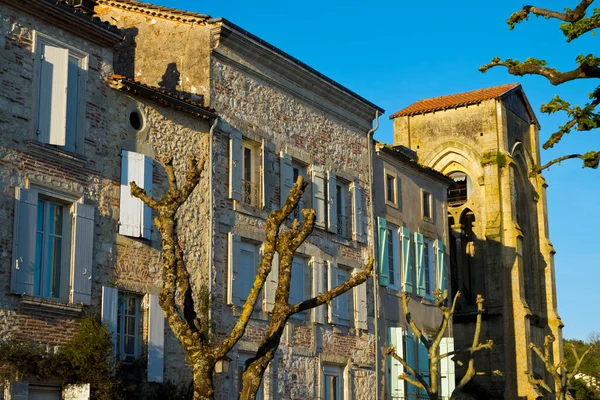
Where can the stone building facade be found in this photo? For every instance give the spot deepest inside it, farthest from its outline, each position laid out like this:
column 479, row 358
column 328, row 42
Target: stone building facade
column 70, row 132
column 410, row 208
column 487, row 141
column 278, row 118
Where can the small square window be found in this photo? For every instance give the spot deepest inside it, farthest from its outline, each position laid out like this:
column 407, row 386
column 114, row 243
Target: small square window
column 427, row 206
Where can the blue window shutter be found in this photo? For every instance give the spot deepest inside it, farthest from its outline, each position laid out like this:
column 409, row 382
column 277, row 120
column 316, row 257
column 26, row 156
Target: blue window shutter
column 423, row 366
column 52, row 112
column 156, row 340
column 81, row 278
column 407, row 278
column 286, row 177
column 411, row 359
column 383, row 252
column 441, row 267
column 24, row 241
column 419, row 264
column 332, row 202
column 235, row 166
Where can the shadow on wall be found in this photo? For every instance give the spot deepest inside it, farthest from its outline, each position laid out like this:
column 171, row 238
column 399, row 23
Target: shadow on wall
column 170, row 79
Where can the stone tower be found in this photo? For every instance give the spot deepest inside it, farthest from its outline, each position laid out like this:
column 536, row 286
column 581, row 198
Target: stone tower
column 487, row 141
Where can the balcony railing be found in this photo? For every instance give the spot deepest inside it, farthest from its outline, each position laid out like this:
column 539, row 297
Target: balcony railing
column 250, row 193
column 344, row 226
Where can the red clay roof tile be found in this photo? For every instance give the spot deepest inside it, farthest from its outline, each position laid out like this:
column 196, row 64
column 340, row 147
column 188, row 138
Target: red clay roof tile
column 454, row 100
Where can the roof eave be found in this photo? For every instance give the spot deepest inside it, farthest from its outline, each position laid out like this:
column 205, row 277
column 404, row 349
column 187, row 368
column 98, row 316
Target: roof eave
column 70, row 20
column 382, row 147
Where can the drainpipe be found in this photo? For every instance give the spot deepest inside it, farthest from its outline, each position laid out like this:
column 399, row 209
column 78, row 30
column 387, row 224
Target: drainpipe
column 210, row 218
column 374, row 251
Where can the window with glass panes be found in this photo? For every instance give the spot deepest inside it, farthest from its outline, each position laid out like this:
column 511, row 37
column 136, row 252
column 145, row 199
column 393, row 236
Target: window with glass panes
column 391, row 255
column 426, row 247
column 128, row 326
column 427, row 205
column 333, row 383
column 390, row 186
column 51, row 247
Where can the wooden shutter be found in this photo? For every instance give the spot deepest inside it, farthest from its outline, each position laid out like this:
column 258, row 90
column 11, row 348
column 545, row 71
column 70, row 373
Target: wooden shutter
column 52, row 106
column 318, row 182
column 419, row 264
column 235, row 166
column 423, row 365
column 156, row 340
column 146, row 212
column 286, row 176
column 383, row 252
column 271, row 284
column 358, row 216
column 72, row 105
column 24, row 247
column 332, row 281
column 318, row 273
column 332, row 222
column 234, row 259
column 110, row 301
column 447, row 369
column 360, row 306
column 83, row 250
column 411, row 359
column 396, row 260
column 440, row 266
column 407, row 282
column 396, row 386
column 130, row 207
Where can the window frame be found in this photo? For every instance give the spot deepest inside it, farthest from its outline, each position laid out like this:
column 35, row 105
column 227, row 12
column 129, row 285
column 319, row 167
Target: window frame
column 305, row 199
column 120, row 323
column 343, row 213
column 387, row 173
column 40, row 39
column 429, row 265
column 429, row 207
column 249, row 244
column 306, row 278
column 344, row 271
column 240, row 364
column 335, row 371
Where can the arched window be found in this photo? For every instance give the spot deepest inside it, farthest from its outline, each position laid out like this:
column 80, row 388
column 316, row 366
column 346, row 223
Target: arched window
column 459, row 193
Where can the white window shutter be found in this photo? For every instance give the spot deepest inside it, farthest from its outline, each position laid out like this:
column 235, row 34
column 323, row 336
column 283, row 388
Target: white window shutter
column 52, row 113
column 396, row 386
column 24, row 247
column 383, row 251
column 447, row 368
column 358, row 216
column 332, row 202
column 440, row 266
column 156, row 340
column 146, row 178
column 318, row 273
column 110, row 301
column 234, row 259
column 83, row 250
column 235, row 166
column 271, row 284
column 407, row 282
column 286, row 176
column 318, row 181
column 130, row 208
column 419, row 264
column 360, row 306
column 332, row 281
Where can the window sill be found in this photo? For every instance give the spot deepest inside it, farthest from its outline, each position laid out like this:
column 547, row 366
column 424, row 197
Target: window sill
column 248, row 209
column 55, row 153
column 49, row 305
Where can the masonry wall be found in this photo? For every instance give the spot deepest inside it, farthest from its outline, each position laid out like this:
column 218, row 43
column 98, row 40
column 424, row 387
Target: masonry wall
column 131, row 265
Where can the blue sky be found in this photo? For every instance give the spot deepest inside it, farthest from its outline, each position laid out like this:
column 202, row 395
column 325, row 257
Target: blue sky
column 397, row 52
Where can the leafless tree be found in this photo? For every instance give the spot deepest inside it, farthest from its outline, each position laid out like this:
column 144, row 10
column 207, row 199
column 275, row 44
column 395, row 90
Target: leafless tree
column 189, row 319
column 433, row 347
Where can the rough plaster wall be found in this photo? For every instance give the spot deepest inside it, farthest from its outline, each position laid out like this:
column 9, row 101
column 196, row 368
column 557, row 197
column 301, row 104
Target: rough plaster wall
column 160, row 52
column 263, row 111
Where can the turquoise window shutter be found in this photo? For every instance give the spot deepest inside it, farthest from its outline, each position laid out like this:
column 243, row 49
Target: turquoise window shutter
column 419, row 264
column 441, row 267
column 411, row 359
column 407, row 279
column 383, row 252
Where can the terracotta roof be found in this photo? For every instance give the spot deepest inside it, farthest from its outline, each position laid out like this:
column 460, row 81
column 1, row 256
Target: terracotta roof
column 157, row 11
column 454, row 100
column 162, row 97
